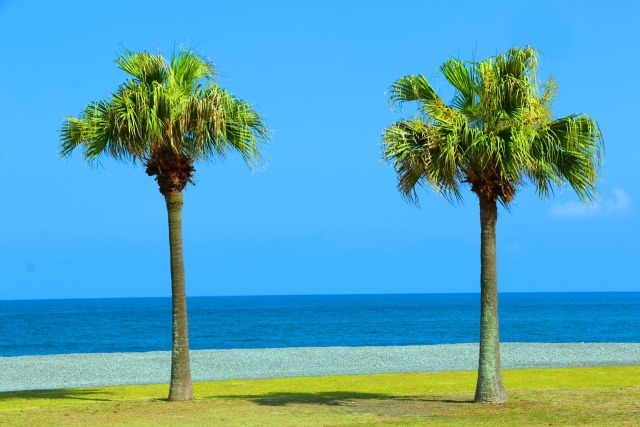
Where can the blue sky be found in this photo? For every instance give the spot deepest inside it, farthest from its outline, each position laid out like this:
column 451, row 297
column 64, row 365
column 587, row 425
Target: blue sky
column 323, row 215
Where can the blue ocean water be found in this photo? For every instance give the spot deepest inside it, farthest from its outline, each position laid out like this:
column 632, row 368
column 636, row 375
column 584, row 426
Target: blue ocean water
column 144, row 324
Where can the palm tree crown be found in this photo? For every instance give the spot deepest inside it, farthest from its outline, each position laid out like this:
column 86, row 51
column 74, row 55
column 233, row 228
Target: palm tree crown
column 166, row 116
column 496, row 133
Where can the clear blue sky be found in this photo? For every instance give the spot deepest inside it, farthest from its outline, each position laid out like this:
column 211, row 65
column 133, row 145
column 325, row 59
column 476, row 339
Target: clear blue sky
column 324, row 215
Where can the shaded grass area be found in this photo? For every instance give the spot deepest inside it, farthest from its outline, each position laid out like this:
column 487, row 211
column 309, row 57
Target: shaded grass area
column 570, row 396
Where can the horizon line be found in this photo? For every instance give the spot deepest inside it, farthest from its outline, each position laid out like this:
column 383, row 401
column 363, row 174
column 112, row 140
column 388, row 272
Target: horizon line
column 316, row 295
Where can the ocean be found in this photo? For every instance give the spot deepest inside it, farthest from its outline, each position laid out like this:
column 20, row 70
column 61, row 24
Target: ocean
column 39, row 327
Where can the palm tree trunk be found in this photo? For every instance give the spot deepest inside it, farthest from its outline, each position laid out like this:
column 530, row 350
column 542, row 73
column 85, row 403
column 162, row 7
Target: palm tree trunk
column 490, row 387
column 180, row 388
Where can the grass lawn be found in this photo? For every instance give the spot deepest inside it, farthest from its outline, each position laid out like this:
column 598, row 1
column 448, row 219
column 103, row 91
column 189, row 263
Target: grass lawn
column 601, row 396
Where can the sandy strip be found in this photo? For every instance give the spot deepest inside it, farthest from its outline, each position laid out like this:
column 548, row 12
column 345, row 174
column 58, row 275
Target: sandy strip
column 103, row 369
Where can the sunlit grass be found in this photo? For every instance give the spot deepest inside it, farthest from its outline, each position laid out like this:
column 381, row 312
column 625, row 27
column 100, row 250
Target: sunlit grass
column 569, row 396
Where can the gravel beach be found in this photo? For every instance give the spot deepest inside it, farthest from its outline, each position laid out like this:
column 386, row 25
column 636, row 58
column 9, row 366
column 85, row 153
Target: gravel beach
column 103, row 369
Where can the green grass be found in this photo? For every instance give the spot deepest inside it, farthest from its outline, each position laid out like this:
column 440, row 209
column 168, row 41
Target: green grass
column 605, row 396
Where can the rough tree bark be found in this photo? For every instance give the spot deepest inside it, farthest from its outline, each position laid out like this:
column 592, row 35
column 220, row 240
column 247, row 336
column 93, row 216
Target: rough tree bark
column 490, row 386
column 180, row 388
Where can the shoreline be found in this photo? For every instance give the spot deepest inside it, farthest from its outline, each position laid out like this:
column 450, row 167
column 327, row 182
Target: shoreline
column 19, row 373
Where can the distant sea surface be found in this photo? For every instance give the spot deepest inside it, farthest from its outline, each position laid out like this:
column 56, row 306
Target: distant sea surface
column 40, row 327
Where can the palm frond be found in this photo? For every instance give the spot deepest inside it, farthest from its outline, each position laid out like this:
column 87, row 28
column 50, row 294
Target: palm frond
column 188, row 68
column 218, row 122
column 569, row 150
column 72, row 135
column 404, row 143
column 244, row 128
column 411, row 88
column 146, row 68
column 463, row 79
column 422, row 155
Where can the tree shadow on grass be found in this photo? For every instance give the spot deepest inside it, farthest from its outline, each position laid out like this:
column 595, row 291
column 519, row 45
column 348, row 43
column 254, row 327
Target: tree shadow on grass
column 63, row 393
column 328, row 398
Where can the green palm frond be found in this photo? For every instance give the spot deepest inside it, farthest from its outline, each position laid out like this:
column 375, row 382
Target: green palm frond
column 569, row 150
column 225, row 122
column 508, row 84
column 244, row 130
column 188, row 68
column 411, row 88
column 422, row 154
column 143, row 66
column 463, row 79
column 405, row 144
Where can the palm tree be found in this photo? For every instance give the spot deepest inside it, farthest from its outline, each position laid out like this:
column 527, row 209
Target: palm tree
column 497, row 133
column 168, row 116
